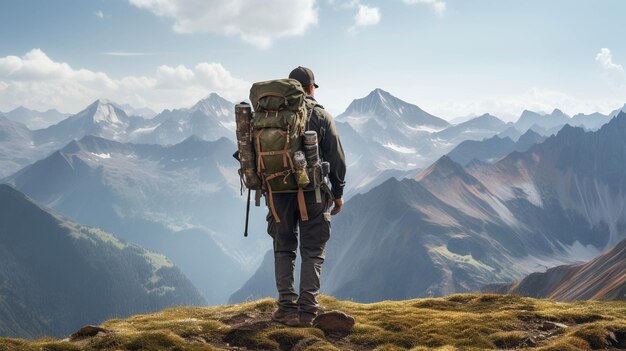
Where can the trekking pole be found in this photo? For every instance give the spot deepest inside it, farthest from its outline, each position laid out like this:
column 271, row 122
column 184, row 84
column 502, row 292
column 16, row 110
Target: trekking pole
column 245, row 233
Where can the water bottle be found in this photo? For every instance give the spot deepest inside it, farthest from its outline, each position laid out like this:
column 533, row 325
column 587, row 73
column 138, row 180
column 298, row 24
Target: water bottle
column 311, row 147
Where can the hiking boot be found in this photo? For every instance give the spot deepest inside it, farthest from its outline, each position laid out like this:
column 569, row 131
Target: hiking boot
column 288, row 318
column 306, row 320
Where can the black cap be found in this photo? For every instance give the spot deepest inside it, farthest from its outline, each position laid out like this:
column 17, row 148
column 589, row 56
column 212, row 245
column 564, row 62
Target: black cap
column 304, row 76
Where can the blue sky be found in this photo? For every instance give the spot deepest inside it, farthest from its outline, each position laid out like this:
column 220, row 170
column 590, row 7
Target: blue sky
column 450, row 57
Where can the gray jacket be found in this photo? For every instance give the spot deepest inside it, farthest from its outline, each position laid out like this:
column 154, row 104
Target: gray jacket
column 330, row 145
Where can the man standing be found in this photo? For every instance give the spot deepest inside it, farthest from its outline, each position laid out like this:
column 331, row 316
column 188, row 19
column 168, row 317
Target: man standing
column 299, row 309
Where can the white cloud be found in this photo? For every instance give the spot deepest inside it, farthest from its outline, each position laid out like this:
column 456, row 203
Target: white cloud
column 438, row 6
column 174, row 77
column 99, row 14
column 216, row 76
column 605, row 59
column 36, row 81
column 258, row 23
column 367, row 16
column 36, row 66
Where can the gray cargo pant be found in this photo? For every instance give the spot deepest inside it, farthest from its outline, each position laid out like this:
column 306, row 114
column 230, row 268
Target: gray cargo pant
column 314, row 234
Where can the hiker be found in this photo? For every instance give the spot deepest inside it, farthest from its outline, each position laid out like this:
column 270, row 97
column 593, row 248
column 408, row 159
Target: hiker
column 299, row 309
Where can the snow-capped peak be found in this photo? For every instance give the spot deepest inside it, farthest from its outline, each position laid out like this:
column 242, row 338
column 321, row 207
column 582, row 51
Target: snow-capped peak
column 380, row 97
column 214, row 105
column 388, row 111
column 106, row 112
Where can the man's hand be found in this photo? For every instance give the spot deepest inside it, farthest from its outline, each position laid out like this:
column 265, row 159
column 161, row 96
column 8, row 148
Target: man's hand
column 337, row 208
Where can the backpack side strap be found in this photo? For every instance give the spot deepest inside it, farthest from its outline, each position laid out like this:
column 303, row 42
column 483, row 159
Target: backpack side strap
column 304, row 215
column 271, row 203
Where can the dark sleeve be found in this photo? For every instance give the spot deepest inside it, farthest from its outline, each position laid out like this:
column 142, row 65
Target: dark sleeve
column 332, row 152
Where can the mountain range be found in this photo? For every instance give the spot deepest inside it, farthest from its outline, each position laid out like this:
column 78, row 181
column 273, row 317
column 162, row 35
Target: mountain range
column 40, row 120
column 494, row 148
column 456, row 229
column 547, row 124
column 476, row 128
column 35, row 119
column 102, row 118
column 530, row 119
column 182, row 200
column 58, row 275
column 380, row 132
column 211, row 118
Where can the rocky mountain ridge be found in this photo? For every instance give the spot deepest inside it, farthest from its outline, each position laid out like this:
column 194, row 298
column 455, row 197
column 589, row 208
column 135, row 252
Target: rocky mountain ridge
column 35, row 119
column 603, row 278
column 493, row 149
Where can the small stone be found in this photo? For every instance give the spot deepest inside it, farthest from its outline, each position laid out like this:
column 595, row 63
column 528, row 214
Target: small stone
column 613, row 339
column 545, row 326
column 529, row 342
column 334, row 322
column 88, row 331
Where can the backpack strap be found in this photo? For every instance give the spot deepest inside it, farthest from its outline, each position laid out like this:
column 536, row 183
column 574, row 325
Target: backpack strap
column 271, row 203
column 308, row 120
column 304, row 215
column 311, row 105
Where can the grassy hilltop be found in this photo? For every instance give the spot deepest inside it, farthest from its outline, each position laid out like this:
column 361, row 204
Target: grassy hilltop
column 458, row 322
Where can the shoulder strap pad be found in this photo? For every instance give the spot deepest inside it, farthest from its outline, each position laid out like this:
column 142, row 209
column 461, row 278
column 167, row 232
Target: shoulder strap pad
column 311, row 104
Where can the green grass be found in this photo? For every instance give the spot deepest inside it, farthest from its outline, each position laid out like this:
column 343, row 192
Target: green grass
column 458, row 322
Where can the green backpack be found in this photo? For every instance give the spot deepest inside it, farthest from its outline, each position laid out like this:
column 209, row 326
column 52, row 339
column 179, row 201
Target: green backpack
column 278, row 124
